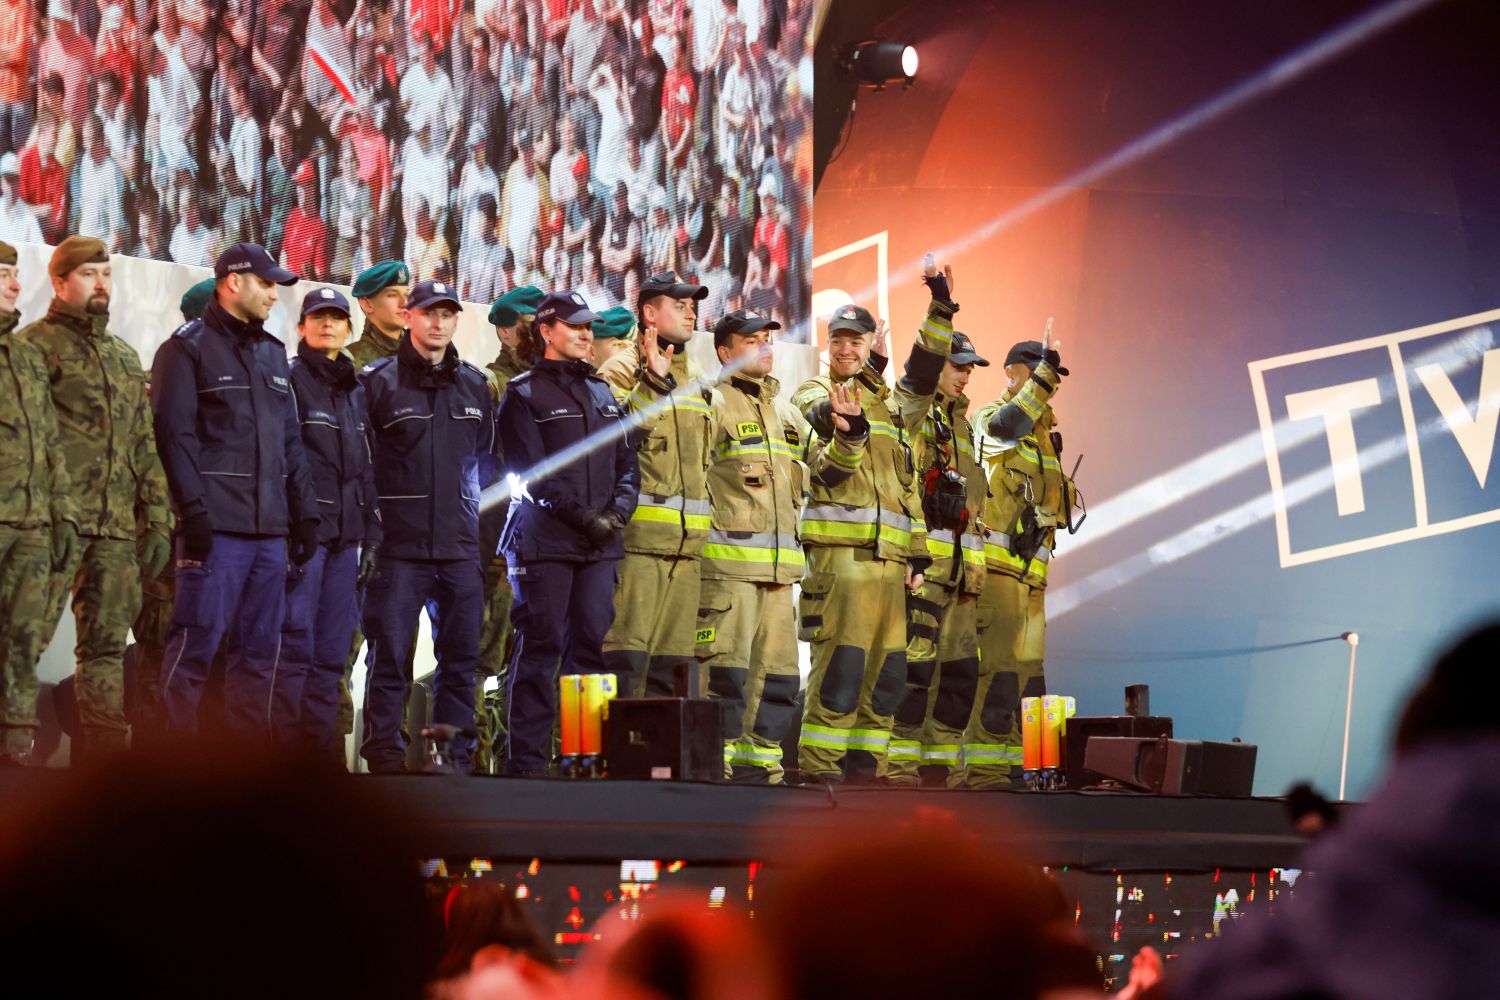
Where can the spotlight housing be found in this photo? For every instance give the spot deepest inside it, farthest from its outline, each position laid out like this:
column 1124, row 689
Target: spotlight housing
column 878, row 64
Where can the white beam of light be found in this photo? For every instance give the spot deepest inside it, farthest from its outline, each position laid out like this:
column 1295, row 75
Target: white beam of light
column 1231, row 522
column 1229, row 460
column 1298, row 63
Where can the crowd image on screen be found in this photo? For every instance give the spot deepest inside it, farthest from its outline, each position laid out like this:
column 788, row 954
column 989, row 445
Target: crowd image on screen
column 489, row 143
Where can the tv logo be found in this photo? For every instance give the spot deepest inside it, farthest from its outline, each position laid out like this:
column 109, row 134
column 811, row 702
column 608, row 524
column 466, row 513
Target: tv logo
column 1384, row 440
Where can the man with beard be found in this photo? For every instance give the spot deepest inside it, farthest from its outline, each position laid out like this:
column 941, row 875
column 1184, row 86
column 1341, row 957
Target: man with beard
column 99, row 393
column 656, row 603
column 38, row 525
column 227, row 431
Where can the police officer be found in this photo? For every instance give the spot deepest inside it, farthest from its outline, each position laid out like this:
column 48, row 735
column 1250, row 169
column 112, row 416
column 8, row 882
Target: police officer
column 614, row 333
column 432, row 423
column 1029, row 499
column 38, row 522
column 746, row 641
column 927, row 738
column 865, row 547
column 99, row 393
column 323, row 600
column 153, row 625
column 657, row 600
column 562, row 537
column 381, row 291
column 226, row 426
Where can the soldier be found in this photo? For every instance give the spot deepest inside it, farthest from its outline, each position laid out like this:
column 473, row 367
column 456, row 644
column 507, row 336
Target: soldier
column 99, row 393
column 323, row 601
column 433, row 437
column 512, row 316
column 613, row 334
column 227, row 431
column 38, row 522
column 656, row 602
column 1029, row 498
column 941, row 631
column 381, row 291
column 746, row 642
column 153, row 625
column 864, row 537
column 562, row 537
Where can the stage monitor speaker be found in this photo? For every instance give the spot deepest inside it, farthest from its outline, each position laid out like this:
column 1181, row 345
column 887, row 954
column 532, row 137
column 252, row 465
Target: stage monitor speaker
column 674, row 739
column 1083, row 728
column 1174, row 767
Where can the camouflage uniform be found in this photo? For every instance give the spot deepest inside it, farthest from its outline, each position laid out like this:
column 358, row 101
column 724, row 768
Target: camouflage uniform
column 99, row 393
column 36, row 496
column 496, row 632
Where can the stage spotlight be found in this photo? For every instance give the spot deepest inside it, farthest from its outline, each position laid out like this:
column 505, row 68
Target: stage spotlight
column 878, row 64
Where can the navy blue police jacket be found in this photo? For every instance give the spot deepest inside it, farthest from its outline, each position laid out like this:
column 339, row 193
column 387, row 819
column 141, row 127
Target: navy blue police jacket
column 226, row 427
column 432, row 435
column 545, row 412
column 331, row 410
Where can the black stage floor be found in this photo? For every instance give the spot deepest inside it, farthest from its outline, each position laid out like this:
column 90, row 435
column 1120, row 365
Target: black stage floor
column 608, row 820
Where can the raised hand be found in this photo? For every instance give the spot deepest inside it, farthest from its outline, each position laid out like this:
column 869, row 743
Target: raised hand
column 844, row 401
column 658, row 361
column 881, row 343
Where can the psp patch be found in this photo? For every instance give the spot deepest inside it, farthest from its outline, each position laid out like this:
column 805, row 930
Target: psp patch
column 748, row 428
column 705, row 635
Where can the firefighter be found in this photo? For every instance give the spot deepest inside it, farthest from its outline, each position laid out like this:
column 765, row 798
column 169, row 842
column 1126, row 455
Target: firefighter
column 1029, row 498
column 746, row 645
column 863, row 533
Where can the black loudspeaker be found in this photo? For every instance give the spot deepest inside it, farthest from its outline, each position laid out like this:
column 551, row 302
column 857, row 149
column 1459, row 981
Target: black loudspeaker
column 673, row 739
column 1082, row 728
column 1174, row 767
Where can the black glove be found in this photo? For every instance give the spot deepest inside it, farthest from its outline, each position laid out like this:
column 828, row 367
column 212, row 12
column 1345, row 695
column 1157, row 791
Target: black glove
column 303, row 543
column 937, row 284
column 944, row 499
column 366, row 567
column 197, row 537
column 600, row 529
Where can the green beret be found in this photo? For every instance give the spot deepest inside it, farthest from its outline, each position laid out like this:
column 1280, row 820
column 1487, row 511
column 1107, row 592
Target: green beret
column 383, row 275
column 617, row 322
column 514, row 304
column 7, row 254
column 195, row 299
column 76, row 250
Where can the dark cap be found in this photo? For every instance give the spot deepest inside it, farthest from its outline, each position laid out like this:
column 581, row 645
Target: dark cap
column 195, row 299
column 76, row 250
column 566, row 307
column 510, row 307
column 252, row 257
column 962, row 352
column 1029, row 353
column 376, row 278
column 851, row 317
column 669, row 284
column 426, row 294
column 744, row 321
column 7, row 254
column 321, row 299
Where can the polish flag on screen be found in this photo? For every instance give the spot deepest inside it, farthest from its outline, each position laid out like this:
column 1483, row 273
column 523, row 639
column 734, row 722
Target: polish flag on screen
column 328, row 58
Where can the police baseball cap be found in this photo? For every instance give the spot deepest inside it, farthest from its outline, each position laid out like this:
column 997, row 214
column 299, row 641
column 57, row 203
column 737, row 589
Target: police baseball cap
column 195, row 299
column 962, row 352
column 565, row 307
column 252, row 258
column 669, row 284
column 426, row 294
column 378, row 277
column 744, row 321
column 324, row 299
column 1029, row 353
column 851, row 317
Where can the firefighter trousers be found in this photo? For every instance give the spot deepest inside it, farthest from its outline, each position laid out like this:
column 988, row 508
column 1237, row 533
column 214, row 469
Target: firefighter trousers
column 656, row 608
column 942, row 674
column 1012, row 638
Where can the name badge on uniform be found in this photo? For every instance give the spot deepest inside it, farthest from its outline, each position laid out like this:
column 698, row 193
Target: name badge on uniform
column 402, row 411
column 748, row 428
column 471, row 411
column 278, row 380
column 611, row 410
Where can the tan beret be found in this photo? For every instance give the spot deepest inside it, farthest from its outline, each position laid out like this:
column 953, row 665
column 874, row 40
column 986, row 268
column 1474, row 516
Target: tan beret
column 76, row 250
column 7, row 254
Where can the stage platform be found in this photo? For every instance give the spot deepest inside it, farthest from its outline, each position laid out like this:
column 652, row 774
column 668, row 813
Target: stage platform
column 607, row 820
